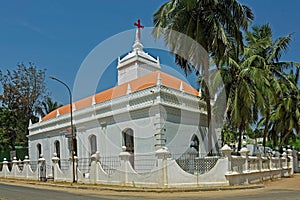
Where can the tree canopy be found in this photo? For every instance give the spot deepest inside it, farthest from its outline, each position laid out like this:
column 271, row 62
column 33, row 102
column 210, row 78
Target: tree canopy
column 24, row 91
column 262, row 93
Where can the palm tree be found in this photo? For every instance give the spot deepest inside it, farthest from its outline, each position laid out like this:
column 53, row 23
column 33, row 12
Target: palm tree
column 286, row 116
column 48, row 106
column 260, row 42
column 211, row 23
column 246, row 85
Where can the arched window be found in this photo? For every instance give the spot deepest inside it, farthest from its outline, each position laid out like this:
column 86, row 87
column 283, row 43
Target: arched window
column 93, row 144
column 57, row 148
column 195, row 142
column 128, row 141
column 39, row 150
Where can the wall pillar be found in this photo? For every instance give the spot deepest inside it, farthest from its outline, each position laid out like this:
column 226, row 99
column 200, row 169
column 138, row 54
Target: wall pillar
column 42, row 168
column 290, row 161
column 26, row 167
column 5, row 169
column 284, row 154
column 94, row 172
column 277, row 155
column 226, row 152
column 269, row 155
column 245, row 153
column 260, row 163
column 162, row 155
column 295, row 160
column 55, row 161
column 125, row 163
column 14, row 169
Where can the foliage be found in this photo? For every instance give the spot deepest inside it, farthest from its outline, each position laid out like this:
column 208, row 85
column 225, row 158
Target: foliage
column 256, row 84
column 228, row 135
column 9, row 129
column 212, row 24
column 48, row 106
column 295, row 142
column 288, row 108
column 259, row 91
column 23, row 93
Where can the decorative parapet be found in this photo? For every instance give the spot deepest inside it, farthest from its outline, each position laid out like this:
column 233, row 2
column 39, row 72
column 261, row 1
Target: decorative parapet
column 249, row 169
column 157, row 94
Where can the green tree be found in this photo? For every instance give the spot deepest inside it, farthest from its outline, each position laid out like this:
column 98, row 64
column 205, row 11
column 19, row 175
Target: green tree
column 246, row 95
column 23, row 92
column 285, row 118
column 8, row 130
column 213, row 24
column 260, row 42
column 47, row 106
column 251, row 79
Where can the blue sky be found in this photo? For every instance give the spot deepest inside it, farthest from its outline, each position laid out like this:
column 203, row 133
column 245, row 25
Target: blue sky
column 57, row 35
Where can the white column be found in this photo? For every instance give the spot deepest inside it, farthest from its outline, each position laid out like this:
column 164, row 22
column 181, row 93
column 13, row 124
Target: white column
column 162, row 155
column 226, row 151
column 124, row 157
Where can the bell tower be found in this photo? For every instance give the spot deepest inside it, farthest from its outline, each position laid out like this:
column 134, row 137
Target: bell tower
column 137, row 63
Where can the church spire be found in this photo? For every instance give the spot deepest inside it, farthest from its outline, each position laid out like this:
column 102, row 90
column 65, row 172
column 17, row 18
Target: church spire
column 136, row 63
column 137, row 46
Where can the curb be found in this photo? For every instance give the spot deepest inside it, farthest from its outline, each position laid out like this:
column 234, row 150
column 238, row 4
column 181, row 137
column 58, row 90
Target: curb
column 131, row 189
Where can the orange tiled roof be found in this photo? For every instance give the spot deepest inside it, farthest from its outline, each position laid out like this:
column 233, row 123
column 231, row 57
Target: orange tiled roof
column 144, row 82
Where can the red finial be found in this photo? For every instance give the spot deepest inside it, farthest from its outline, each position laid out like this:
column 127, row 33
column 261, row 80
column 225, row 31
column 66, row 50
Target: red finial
column 138, row 24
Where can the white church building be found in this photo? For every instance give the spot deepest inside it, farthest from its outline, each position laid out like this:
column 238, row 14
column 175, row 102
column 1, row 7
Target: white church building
column 147, row 109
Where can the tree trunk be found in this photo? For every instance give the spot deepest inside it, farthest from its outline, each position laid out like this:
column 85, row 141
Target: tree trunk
column 208, row 108
column 240, row 137
column 275, row 139
column 283, row 137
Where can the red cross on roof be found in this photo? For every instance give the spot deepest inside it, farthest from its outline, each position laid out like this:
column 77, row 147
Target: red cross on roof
column 138, row 24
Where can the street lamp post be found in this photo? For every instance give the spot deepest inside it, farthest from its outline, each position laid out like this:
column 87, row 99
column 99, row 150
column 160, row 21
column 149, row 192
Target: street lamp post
column 72, row 129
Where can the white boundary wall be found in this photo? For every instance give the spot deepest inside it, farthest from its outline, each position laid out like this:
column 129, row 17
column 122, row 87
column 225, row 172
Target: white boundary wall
column 229, row 170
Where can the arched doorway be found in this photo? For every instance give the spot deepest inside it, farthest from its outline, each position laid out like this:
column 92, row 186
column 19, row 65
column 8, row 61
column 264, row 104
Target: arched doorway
column 93, row 144
column 128, row 141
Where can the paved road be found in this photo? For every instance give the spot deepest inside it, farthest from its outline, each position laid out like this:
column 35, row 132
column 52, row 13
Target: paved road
column 287, row 188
